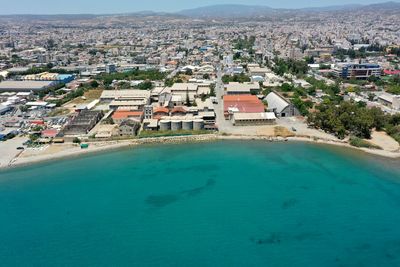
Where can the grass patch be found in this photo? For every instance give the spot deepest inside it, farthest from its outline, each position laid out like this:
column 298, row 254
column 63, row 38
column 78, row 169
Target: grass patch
column 149, row 134
column 93, row 94
column 59, row 112
column 87, row 97
column 283, row 132
column 358, row 142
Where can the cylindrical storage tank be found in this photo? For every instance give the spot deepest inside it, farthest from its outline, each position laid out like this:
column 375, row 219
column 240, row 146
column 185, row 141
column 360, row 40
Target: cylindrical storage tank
column 176, row 125
column 187, row 125
column 165, row 125
column 198, row 125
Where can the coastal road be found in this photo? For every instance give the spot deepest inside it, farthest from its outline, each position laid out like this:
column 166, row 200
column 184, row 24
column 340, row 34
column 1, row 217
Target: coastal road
column 223, row 125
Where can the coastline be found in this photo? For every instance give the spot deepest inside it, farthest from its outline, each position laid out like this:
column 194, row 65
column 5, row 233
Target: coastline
column 71, row 151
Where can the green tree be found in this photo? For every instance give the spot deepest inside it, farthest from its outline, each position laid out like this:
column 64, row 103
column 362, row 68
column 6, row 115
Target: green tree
column 94, row 84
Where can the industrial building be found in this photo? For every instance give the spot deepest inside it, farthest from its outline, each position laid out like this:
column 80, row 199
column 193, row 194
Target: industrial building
column 280, row 106
column 4, row 109
column 129, row 128
column 150, row 124
column 25, row 86
column 235, row 88
column 123, row 115
column 390, row 100
column 183, row 90
column 181, row 123
column 131, row 104
column 242, row 104
column 160, row 112
column 125, row 95
column 244, row 119
column 47, row 76
column 83, row 122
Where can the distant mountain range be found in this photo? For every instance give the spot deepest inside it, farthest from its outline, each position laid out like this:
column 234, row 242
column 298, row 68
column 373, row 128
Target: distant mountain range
column 235, row 11
column 221, row 11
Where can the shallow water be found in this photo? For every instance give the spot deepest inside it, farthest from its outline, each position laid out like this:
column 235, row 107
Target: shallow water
column 227, row 203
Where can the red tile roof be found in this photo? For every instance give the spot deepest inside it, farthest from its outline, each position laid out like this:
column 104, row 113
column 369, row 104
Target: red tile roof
column 179, row 110
column 391, row 72
column 245, row 103
column 49, row 133
column 161, row 110
column 126, row 114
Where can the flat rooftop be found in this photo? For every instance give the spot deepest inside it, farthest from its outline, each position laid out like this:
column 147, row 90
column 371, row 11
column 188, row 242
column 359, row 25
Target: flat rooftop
column 21, row 86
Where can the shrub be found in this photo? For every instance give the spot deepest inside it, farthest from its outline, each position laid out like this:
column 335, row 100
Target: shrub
column 358, row 142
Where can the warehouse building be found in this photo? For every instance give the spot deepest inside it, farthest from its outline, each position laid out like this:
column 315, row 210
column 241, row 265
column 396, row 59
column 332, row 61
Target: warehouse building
column 125, row 95
column 182, row 90
column 280, row 106
column 129, row 128
column 25, row 86
column 242, row 104
column 4, row 109
column 123, row 115
column 389, row 100
column 83, row 122
column 47, row 76
column 235, row 88
column 244, row 119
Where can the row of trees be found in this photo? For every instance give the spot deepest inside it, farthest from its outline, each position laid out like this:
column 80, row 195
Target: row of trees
column 349, row 118
column 361, row 53
column 236, row 78
column 46, row 68
column 246, row 43
column 331, row 90
column 151, row 75
column 298, row 97
column 295, row 67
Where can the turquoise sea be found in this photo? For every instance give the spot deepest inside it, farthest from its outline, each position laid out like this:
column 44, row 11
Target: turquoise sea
column 227, row 203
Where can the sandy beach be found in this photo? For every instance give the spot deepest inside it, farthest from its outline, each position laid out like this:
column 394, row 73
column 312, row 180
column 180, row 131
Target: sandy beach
column 13, row 158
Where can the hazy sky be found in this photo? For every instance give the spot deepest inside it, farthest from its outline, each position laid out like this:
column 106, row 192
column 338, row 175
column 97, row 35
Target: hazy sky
column 123, row 6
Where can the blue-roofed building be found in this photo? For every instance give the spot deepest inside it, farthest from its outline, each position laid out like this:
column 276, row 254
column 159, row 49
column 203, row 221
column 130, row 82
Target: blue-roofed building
column 65, row 78
column 357, row 71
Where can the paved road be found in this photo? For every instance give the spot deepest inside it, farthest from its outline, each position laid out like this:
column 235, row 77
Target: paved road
column 223, row 125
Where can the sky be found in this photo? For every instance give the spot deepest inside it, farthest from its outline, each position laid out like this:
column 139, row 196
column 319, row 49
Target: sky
column 126, row 6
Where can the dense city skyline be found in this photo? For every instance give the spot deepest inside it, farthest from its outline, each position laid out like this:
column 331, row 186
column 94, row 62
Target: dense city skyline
column 123, row 6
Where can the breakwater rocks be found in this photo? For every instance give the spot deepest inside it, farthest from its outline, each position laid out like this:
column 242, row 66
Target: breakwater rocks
column 177, row 139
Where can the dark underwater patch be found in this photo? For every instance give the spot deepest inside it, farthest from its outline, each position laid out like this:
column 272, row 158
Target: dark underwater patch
column 159, row 201
column 289, row 203
column 198, row 190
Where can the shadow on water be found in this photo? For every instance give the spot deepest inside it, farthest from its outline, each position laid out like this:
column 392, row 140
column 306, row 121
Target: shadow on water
column 198, row 190
column 289, row 203
column 159, row 201
column 276, row 238
column 193, row 168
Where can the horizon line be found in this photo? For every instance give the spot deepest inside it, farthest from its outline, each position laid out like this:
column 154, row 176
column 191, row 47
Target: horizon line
column 176, row 12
